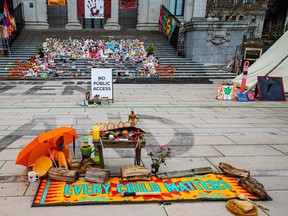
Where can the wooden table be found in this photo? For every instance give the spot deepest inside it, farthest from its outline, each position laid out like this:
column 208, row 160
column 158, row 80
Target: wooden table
column 120, row 144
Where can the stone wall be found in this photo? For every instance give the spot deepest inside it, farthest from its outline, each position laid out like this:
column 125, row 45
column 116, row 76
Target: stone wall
column 212, row 41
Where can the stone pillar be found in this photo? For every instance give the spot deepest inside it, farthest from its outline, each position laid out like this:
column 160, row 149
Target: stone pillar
column 199, row 9
column 73, row 22
column 148, row 15
column 113, row 22
column 188, row 11
column 41, row 15
column 143, row 12
column 30, row 13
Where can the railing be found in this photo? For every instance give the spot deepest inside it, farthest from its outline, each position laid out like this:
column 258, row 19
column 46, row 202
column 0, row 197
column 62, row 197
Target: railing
column 170, row 27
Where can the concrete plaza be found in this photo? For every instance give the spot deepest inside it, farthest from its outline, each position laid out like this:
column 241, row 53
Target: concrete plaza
column 201, row 131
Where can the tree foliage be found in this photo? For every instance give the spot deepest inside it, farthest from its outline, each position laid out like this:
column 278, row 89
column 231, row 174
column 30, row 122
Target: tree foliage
column 232, row 8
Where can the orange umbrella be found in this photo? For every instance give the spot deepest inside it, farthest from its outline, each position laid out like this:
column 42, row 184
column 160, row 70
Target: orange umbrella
column 43, row 144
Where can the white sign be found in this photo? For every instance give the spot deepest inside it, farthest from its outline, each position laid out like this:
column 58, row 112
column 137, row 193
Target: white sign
column 94, row 9
column 102, row 82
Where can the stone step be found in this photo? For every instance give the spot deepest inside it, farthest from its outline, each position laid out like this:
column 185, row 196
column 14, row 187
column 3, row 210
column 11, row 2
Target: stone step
column 25, row 47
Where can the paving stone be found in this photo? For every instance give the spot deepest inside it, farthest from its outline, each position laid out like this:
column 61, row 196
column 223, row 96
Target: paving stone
column 245, row 120
column 1, row 163
column 20, row 143
column 282, row 148
column 205, row 208
column 278, row 206
column 201, row 151
column 273, row 183
column 247, row 150
column 10, row 168
column 284, row 129
column 32, row 188
column 8, row 207
column 253, row 162
column 224, row 125
column 3, row 127
column 5, row 133
column 279, row 125
column 12, row 189
column 212, row 140
column 9, row 154
column 261, row 139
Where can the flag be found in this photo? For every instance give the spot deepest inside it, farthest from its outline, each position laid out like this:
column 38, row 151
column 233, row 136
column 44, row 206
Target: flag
column 107, row 9
column 128, row 4
column 7, row 18
column 83, row 6
column 94, row 9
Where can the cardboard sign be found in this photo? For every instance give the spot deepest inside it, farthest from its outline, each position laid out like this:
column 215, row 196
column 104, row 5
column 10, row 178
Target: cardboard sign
column 102, row 82
column 226, row 92
column 271, row 88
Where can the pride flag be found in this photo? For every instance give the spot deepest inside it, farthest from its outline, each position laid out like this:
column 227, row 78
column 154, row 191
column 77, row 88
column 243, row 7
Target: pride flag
column 7, row 20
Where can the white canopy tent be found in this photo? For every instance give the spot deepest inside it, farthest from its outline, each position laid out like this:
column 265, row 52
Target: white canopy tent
column 274, row 62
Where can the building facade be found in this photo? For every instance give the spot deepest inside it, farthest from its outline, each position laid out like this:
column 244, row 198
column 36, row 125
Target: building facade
column 39, row 14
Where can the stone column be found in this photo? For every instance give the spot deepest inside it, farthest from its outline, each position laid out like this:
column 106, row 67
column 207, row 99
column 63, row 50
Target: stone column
column 188, row 10
column 143, row 13
column 73, row 22
column 41, row 15
column 148, row 15
column 199, row 10
column 113, row 22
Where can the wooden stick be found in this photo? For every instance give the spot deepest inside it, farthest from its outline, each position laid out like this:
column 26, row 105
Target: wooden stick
column 263, row 208
column 141, row 194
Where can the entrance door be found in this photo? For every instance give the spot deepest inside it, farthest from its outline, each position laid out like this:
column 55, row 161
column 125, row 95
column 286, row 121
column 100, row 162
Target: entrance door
column 57, row 16
column 128, row 14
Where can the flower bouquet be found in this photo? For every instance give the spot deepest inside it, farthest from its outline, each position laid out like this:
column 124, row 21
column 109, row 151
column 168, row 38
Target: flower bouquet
column 159, row 157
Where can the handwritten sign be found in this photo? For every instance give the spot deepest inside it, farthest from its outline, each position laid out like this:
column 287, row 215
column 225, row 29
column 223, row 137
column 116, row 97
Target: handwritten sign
column 102, row 82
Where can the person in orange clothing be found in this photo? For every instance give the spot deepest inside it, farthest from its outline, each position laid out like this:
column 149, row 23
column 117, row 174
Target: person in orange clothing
column 61, row 153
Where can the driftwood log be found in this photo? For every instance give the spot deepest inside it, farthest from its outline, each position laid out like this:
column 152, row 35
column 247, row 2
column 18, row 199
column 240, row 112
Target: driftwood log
column 97, row 175
column 83, row 167
column 131, row 173
column 254, row 187
column 175, row 174
column 62, row 174
column 185, row 173
column 229, row 170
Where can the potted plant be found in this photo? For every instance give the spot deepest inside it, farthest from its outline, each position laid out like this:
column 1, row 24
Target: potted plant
column 85, row 148
column 40, row 50
column 150, row 48
column 158, row 157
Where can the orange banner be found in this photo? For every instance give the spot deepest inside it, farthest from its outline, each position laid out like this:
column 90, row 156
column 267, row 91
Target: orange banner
column 56, row 2
column 202, row 187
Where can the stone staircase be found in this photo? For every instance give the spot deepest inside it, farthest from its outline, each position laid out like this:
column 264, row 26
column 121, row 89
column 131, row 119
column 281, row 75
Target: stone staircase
column 25, row 47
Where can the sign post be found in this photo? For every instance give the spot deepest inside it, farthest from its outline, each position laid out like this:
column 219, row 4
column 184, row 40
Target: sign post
column 102, row 83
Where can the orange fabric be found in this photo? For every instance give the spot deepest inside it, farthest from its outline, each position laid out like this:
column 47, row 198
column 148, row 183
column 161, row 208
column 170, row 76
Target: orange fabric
column 60, row 158
column 44, row 144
